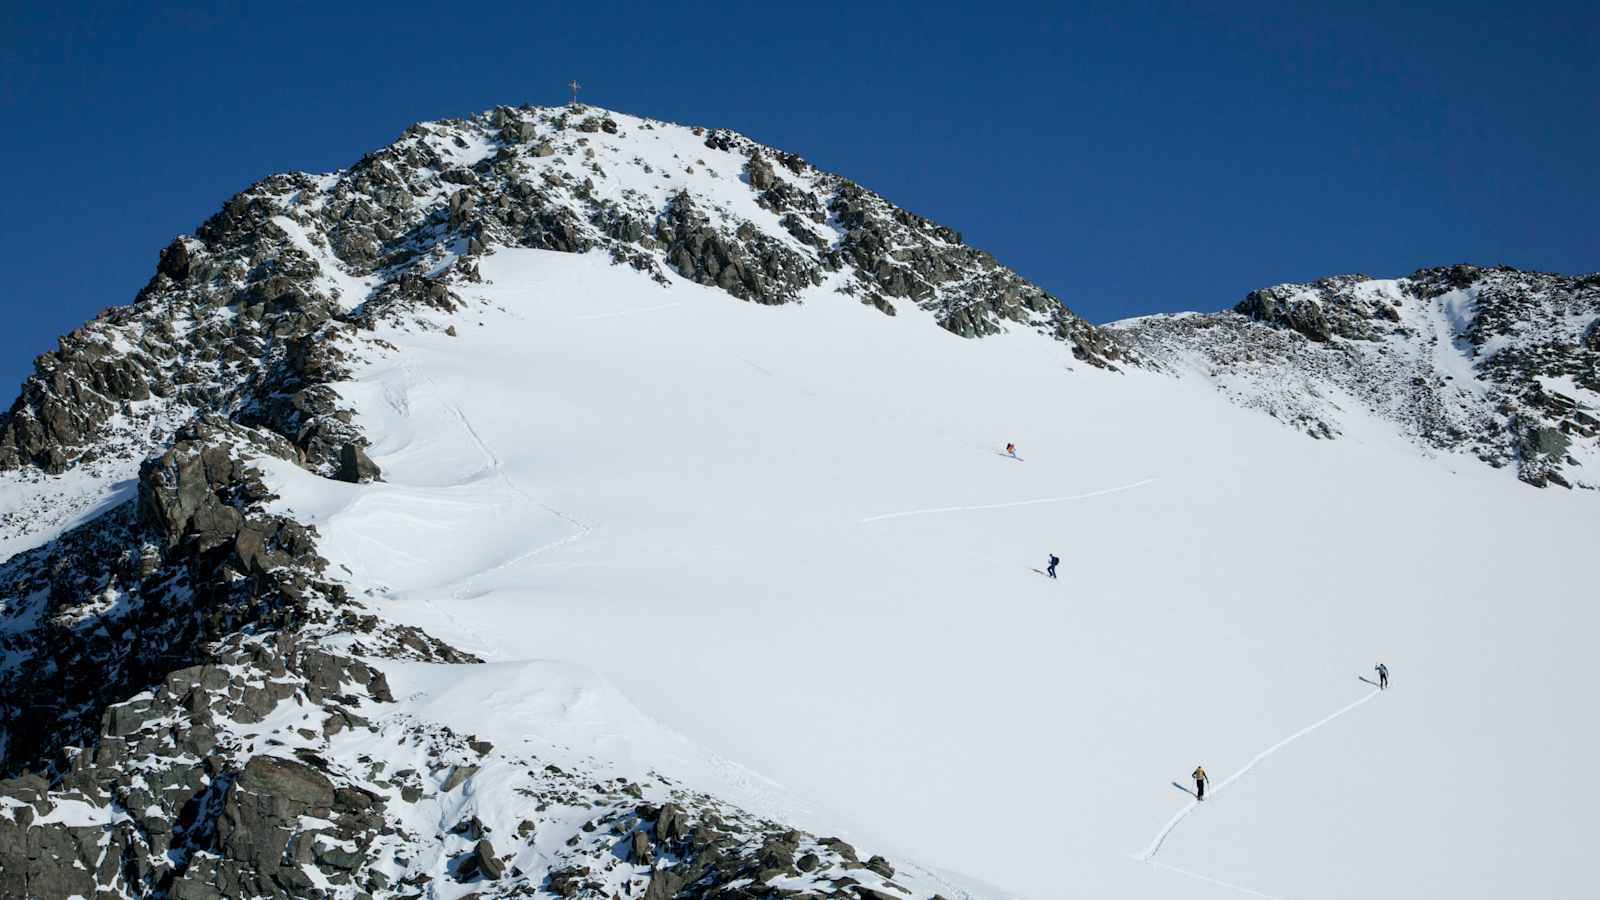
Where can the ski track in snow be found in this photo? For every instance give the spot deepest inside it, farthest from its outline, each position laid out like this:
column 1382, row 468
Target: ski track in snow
column 492, row 461
column 1209, row 880
column 1160, row 838
column 945, row 509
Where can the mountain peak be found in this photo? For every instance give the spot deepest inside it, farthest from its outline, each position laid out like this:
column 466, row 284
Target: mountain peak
column 298, row 251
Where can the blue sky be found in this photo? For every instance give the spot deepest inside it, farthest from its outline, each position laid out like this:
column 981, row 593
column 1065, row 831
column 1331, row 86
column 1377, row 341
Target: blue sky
column 1129, row 157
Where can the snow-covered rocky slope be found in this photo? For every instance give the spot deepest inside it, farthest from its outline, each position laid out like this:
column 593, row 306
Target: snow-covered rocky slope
column 1496, row 364
column 444, row 526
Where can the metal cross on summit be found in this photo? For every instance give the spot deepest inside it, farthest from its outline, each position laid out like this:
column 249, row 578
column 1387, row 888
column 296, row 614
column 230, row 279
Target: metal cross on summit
column 576, row 87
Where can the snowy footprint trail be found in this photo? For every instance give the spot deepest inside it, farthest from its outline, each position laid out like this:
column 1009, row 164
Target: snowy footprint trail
column 945, row 509
column 1161, row 837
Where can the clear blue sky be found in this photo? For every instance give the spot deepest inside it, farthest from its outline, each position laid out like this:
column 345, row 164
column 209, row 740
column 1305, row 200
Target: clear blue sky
column 1130, row 157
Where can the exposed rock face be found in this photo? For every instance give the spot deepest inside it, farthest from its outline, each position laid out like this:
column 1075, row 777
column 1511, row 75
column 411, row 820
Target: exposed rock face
column 1460, row 358
column 1283, row 306
column 749, row 265
column 203, row 819
column 191, row 561
column 175, row 260
column 223, row 318
column 899, row 254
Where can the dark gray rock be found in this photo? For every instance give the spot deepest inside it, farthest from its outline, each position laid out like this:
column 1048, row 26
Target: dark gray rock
column 355, row 466
column 1545, row 441
column 639, row 850
column 338, row 857
column 671, row 824
column 760, row 269
column 881, row 866
column 481, row 863
column 194, row 888
column 175, row 260
column 1302, row 315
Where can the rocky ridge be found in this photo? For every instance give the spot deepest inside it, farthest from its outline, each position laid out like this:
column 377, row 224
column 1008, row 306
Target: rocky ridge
column 1499, row 364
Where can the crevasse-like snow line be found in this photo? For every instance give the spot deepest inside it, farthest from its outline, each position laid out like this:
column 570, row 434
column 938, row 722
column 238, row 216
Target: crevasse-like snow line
column 1155, row 846
column 945, row 509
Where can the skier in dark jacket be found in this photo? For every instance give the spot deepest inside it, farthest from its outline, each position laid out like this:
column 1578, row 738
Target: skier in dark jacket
column 1051, row 569
column 1383, row 676
column 1201, row 779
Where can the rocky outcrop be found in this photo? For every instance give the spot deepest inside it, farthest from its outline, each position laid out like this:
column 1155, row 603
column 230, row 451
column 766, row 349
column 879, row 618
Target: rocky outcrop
column 898, row 254
column 233, row 324
column 1293, row 312
column 1400, row 347
column 210, row 816
column 746, row 264
column 203, row 817
column 192, row 560
column 355, row 466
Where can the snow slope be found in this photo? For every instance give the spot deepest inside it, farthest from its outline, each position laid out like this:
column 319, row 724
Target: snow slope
column 787, row 533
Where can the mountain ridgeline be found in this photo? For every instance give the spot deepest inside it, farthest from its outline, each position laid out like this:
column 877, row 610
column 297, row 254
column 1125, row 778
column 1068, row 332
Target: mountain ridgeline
column 1497, row 364
column 241, row 308
column 177, row 655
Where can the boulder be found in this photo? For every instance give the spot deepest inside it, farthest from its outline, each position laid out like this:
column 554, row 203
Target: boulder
column 174, row 262
column 1544, row 441
column 458, row 776
column 518, row 132
column 760, row 172
column 481, row 863
column 355, row 466
column 671, row 824
column 639, row 848
column 261, row 814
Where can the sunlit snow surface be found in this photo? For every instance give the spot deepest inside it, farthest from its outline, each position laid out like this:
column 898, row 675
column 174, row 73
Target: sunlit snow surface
column 603, row 485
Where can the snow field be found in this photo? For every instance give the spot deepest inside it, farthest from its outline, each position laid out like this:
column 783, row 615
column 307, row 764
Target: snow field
column 708, row 504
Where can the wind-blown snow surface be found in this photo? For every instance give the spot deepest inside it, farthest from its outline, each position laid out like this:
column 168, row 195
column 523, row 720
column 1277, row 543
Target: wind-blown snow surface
column 696, row 498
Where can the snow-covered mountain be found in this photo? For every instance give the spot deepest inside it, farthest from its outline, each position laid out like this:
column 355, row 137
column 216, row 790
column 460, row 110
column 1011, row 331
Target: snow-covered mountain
column 443, row 526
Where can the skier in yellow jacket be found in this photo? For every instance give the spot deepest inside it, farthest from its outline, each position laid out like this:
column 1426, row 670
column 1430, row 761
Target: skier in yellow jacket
column 1201, row 779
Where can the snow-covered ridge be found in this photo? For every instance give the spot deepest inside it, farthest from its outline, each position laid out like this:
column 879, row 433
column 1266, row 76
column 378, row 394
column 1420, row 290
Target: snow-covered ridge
column 1498, row 364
